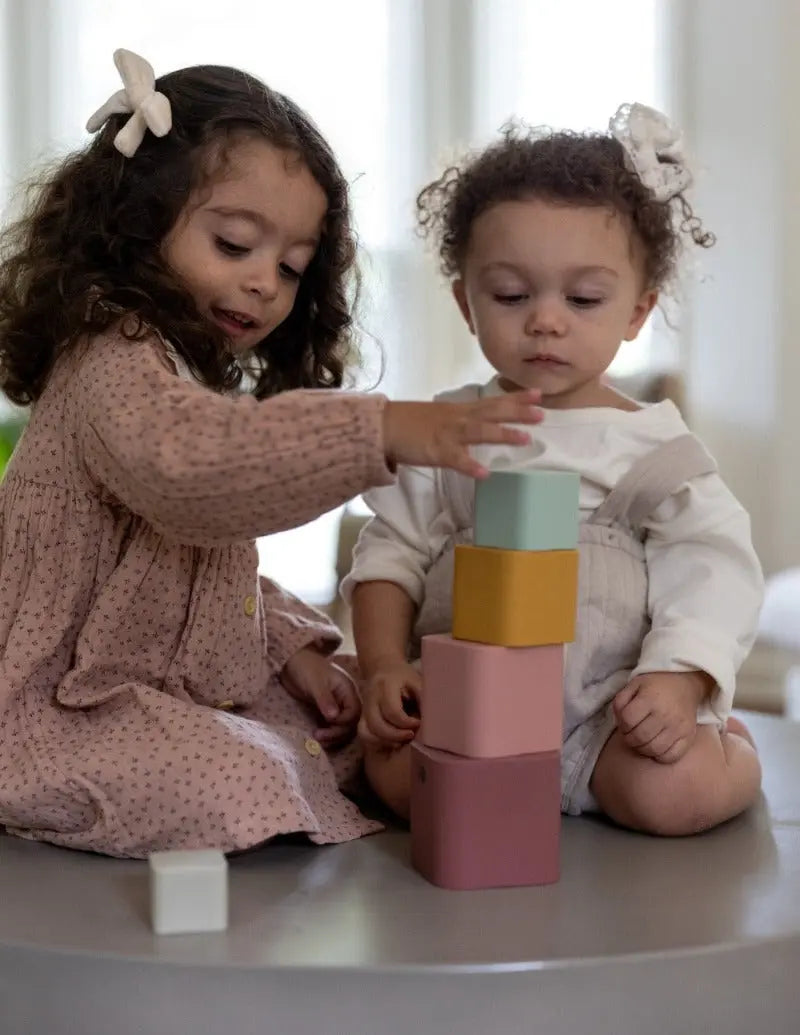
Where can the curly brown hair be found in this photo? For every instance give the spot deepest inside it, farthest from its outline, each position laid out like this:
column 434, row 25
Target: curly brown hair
column 564, row 167
column 88, row 246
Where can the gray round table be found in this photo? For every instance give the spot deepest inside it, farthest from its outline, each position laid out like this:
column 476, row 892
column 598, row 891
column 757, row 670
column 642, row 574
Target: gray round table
column 641, row 935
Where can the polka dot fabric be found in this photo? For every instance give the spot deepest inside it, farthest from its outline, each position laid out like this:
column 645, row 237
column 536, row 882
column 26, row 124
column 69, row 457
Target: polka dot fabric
column 131, row 609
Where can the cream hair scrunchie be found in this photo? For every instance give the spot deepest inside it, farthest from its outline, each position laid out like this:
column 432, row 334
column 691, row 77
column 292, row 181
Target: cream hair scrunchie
column 654, row 147
column 148, row 108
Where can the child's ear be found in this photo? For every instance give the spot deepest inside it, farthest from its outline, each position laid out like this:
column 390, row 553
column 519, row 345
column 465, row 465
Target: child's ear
column 460, row 295
column 644, row 306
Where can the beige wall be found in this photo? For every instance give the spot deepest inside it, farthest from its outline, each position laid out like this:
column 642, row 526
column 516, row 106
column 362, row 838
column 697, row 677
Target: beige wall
column 738, row 63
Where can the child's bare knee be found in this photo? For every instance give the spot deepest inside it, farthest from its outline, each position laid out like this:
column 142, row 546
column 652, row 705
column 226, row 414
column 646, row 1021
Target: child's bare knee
column 712, row 783
column 689, row 807
column 668, row 804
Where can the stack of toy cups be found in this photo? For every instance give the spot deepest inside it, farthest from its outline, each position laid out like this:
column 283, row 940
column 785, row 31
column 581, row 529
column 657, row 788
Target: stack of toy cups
column 485, row 766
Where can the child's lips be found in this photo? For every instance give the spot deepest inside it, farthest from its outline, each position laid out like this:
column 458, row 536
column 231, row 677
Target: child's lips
column 234, row 322
column 545, row 359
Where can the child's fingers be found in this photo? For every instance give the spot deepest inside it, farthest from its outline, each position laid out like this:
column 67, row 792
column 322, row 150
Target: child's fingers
column 325, row 700
column 522, row 407
column 344, row 690
column 349, row 712
column 386, row 731
column 624, row 697
column 342, row 727
column 478, row 431
column 675, row 752
column 462, row 461
column 658, row 745
column 364, row 732
column 393, row 712
column 337, row 734
column 633, row 712
column 381, row 729
column 643, row 732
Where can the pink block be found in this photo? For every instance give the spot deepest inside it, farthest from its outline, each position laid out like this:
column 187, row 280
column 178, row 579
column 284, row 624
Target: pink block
column 485, row 822
column 484, row 701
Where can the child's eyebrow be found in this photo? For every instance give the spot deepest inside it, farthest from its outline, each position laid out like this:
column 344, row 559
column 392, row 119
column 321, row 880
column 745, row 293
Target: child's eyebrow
column 499, row 266
column 241, row 213
column 258, row 219
column 580, row 270
column 573, row 271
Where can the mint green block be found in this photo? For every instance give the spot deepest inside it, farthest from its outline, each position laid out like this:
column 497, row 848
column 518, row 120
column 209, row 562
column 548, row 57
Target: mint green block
column 527, row 510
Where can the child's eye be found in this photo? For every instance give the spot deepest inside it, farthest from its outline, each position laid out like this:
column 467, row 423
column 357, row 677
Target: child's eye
column 229, row 248
column 289, row 273
column 583, row 301
column 509, row 299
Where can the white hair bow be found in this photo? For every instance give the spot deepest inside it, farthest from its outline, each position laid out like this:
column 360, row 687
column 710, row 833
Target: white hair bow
column 149, row 109
column 654, row 148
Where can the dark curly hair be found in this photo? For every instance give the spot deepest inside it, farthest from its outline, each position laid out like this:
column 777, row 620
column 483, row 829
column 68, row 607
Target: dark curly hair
column 564, row 167
column 88, row 246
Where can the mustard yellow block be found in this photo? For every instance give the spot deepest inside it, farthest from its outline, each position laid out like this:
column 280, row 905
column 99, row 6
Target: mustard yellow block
column 515, row 598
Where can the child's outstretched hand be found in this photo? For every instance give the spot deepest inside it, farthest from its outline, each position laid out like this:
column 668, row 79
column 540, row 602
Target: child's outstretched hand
column 657, row 712
column 314, row 679
column 438, row 434
column 391, row 705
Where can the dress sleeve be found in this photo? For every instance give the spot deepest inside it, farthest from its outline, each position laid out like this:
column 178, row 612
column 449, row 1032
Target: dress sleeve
column 206, row 468
column 292, row 625
column 705, row 587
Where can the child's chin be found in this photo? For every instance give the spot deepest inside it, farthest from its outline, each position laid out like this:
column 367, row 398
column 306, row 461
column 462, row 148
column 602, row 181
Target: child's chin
column 516, row 384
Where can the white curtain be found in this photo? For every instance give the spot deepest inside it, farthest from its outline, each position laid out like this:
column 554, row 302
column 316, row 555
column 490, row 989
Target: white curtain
column 397, row 86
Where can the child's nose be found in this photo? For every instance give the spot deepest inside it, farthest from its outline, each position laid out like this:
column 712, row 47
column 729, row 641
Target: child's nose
column 546, row 316
column 264, row 281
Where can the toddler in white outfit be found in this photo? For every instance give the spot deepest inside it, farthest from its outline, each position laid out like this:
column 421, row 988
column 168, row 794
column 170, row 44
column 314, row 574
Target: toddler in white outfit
column 557, row 245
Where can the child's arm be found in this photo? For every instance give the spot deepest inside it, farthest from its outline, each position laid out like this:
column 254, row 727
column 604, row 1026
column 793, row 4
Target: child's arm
column 705, row 594
column 706, row 586
column 207, row 468
column 383, row 617
column 385, row 586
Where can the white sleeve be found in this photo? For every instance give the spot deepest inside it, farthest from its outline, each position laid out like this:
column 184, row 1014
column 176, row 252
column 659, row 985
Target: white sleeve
column 705, row 587
column 405, row 536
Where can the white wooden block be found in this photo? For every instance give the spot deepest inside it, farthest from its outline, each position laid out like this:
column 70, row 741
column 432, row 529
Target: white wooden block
column 188, row 891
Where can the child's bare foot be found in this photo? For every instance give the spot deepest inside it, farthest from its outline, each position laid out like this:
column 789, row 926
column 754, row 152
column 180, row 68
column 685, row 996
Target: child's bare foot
column 738, row 727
